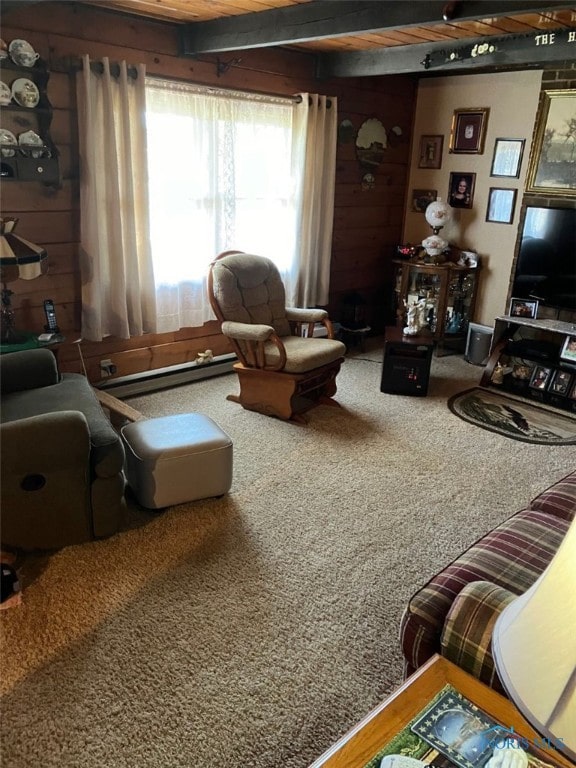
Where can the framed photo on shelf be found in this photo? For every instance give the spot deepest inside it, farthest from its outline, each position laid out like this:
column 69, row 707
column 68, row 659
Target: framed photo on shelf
column 461, row 190
column 430, row 151
column 560, row 384
column 421, row 199
column 507, row 157
column 540, row 377
column 552, row 168
column 501, row 204
column 468, row 130
column 523, row 308
column 568, row 351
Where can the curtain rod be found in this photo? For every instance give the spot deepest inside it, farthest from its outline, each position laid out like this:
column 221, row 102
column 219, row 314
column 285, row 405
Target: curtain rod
column 229, row 92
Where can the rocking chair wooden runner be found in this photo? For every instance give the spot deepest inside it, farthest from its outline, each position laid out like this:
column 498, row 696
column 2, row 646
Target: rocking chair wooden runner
column 281, row 372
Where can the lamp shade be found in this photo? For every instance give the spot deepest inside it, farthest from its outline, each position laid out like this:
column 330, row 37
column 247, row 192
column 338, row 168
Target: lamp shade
column 19, row 258
column 534, row 648
column 438, row 214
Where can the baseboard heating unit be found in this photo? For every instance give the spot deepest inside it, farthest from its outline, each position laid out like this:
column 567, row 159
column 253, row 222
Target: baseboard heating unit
column 172, row 376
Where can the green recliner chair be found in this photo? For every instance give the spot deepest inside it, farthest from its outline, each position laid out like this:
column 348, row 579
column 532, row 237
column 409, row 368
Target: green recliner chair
column 61, row 462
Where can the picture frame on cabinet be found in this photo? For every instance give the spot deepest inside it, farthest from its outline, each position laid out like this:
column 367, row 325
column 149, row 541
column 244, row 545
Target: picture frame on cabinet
column 527, row 308
column 501, row 204
column 540, row 377
column 507, row 158
column 561, row 382
column 468, row 130
column 552, row 169
column 568, row 351
column 431, row 151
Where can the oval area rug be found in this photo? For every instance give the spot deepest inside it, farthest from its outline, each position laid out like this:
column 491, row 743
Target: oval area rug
column 513, row 417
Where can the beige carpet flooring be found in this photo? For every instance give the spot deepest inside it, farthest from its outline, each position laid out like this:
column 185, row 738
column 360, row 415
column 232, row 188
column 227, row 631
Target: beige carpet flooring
column 254, row 630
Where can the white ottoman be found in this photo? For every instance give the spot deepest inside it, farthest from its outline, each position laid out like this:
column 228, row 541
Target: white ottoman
column 178, row 458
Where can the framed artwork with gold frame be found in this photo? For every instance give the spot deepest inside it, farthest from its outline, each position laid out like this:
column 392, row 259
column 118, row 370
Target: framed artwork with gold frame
column 468, row 130
column 552, row 169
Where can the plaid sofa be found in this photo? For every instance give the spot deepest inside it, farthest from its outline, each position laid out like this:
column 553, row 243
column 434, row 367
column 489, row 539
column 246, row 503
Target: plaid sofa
column 453, row 614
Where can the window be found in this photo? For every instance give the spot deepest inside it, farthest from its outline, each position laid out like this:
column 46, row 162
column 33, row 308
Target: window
column 223, row 174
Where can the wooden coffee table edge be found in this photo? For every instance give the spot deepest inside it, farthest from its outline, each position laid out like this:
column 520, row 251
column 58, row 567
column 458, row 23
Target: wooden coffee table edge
column 366, row 738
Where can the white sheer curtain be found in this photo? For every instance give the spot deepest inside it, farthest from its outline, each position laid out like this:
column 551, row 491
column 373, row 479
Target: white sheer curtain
column 230, row 170
column 118, row 296
column 315, row 124
column 221, row 178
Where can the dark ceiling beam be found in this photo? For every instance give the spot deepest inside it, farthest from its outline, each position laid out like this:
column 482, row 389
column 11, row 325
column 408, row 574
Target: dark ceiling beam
column 510, row 52
column 338, row 18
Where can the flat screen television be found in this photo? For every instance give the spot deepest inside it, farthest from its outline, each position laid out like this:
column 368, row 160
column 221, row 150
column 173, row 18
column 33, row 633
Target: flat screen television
column 546, row 265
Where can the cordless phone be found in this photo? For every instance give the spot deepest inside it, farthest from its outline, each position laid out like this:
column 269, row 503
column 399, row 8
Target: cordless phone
column 51, row 324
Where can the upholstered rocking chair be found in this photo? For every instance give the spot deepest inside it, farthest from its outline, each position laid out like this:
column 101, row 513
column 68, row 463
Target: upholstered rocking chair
column 282, row 369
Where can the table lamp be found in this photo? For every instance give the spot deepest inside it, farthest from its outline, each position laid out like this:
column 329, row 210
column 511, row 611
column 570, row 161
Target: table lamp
column 19, row 259
column 534, row 648
column 437, row 214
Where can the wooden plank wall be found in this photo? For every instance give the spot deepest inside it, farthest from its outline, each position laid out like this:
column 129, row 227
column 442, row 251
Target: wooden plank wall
column 367, row 224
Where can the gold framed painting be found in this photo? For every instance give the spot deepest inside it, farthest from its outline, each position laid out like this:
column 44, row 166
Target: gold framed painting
column 469, row 130
column 552, row 169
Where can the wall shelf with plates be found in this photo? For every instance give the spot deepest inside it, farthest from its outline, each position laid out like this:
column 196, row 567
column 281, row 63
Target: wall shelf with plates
column 27, row 152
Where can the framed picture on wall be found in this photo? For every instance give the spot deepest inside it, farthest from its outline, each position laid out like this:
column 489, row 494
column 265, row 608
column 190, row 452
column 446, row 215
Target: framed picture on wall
column 552, row 168
column 421, row 199
column 461, row 190
column 501, row 203
column 507, row 157
column 430, row 151
column 469, row 130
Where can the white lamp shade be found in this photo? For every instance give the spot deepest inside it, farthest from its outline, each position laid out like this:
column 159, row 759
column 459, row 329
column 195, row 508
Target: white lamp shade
column 534, row 648
column 438, row 214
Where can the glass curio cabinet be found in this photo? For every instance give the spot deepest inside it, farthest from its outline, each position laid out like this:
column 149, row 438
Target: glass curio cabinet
column 449, row 291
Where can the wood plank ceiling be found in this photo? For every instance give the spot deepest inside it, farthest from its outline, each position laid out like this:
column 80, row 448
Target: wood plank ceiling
column 370, row 37
column 355, row 37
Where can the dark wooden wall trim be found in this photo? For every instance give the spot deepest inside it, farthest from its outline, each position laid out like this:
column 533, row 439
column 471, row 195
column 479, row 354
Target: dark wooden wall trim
column 367, row 224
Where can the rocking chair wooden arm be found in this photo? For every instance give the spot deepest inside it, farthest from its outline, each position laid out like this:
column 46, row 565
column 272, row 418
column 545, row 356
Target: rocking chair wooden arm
column 249, row 341
column 299, row 317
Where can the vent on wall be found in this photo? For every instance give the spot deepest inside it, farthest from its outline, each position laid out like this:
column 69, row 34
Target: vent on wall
column 172, row 376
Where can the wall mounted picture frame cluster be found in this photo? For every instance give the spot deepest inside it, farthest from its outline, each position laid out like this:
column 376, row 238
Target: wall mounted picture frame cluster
column 553, row 160
column 468, row 130
column 431, row 151
column 501, row 205
column 507, row 158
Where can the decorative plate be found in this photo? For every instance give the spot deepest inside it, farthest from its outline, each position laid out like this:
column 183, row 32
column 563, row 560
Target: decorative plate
column 20, row 46
column 25, row 92
column 7, row 138
column 31, row 139
column 5, row 94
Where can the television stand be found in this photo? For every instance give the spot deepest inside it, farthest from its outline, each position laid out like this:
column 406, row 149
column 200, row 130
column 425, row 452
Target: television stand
column 525, row 360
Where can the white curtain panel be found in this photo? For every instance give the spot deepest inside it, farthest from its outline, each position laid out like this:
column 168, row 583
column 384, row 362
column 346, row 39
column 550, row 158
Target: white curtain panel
column 220, row 171
column 316, row 123
column 118, row 296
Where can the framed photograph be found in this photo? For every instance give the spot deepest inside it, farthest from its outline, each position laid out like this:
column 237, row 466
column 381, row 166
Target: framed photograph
column 461, row 190
column 568, row 351
column 560, row 384
column 523, row 308
column 572, row 393
column 501, row 204
column 552, row 168
column 421, row 199
column 507, row 157
column 430, row 151
column 540, row 377
column 469, row 130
